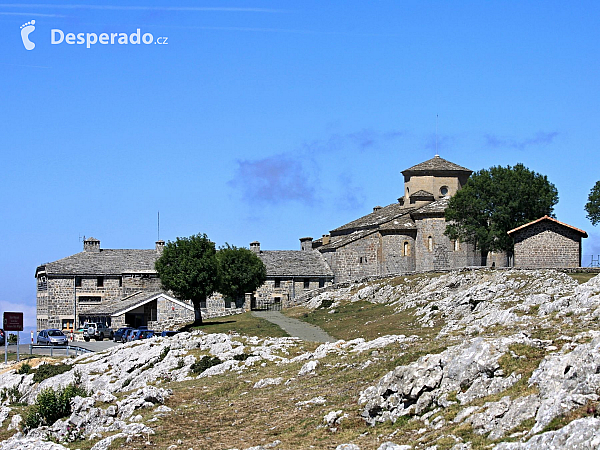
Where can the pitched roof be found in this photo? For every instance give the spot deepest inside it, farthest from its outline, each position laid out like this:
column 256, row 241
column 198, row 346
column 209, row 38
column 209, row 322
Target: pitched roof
column 437, row 207
column 402, row 223
column 296, row 263
column 421, row 193
column 436, row 164
column 583, row 233
column 126, row 304
column 343, row 239
column 104, row 262
column 376, row 218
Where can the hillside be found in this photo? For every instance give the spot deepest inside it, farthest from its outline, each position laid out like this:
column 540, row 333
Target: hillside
column 500, row 359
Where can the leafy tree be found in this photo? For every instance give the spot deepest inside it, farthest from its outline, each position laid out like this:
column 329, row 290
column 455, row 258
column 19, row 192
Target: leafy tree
column 593, row 205
column 496, row 200
column 241, row 271
column 188, row 267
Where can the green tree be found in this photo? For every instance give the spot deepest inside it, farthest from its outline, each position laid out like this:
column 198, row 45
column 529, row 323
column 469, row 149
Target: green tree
column 188, row 267
column 241, row 271
column 496, row 200
column 592, row 207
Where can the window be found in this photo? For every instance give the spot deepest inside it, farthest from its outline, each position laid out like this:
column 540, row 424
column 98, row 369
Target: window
column 67, row 324
column 456, row 245
column 360, row 260
column 77, row 281
column 307, row 283
column 430, row 244
column 89, row 299
column 277, row 283
column 321, row 282
column 120, row 281
column 444, row 190
column 406, row 249
column 100, row 281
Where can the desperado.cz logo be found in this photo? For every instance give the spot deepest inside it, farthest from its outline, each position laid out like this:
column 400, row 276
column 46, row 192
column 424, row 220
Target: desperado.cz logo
column 58, row 36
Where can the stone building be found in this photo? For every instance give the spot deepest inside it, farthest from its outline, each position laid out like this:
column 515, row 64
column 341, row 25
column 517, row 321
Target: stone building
column 113, row 286
column 405, row 236
column 547, row 243
column 290, row 273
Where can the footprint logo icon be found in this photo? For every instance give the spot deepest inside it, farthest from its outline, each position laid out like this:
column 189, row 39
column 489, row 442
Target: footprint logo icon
column 26, row 30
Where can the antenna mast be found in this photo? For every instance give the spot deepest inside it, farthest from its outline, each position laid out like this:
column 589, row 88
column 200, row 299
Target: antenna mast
column 436, row 135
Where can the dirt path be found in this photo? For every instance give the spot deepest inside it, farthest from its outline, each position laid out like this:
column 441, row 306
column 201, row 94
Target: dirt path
column 295, row 327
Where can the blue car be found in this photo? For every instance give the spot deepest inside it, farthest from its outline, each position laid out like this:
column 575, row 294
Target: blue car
column 142, row 334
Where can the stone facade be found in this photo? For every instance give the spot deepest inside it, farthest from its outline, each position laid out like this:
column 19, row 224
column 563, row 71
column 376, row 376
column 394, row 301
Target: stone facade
column 113, row 287
column 290, row 273
column 406, row 236
column 547, row 243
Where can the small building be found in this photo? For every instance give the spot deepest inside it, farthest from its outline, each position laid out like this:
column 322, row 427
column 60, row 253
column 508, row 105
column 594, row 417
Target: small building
column 547, row 243
column 290, row 274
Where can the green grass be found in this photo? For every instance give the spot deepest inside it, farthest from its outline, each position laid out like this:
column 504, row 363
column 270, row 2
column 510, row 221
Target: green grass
column 582, row 277
column 245, row 324
column 362, row 320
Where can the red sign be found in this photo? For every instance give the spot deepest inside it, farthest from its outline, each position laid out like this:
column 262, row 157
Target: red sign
column 13, row 321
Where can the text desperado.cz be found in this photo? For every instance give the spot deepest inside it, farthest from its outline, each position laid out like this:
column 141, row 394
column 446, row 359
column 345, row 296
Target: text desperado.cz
column 58, row 36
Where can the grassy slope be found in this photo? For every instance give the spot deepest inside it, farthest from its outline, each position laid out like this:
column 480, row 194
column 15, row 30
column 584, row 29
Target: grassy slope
column 225, row 411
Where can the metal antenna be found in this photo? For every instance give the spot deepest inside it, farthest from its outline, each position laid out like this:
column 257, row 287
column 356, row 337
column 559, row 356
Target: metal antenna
column 436, row 135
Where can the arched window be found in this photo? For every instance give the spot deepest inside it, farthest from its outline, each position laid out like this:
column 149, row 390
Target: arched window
column 430, row 243
column 406, row 249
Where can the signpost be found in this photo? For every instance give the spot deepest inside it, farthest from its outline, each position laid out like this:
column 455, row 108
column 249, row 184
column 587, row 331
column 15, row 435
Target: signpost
column 13, row 321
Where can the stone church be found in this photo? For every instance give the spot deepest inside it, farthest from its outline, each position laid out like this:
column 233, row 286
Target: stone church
column 406, row 236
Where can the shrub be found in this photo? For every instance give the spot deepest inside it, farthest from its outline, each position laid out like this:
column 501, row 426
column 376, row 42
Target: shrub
column 206, row 362
column 11, row 394
column 51, row 405
column 326, row 303
column 48, row 371
column 25, row 368
column 164, row 353
column 242, row 356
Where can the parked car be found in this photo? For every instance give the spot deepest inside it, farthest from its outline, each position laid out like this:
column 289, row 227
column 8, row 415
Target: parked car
column 52, row 337
column 118, row 336
column 168, row 333
column 2, row 337
column 127, row 335
column 142, row 334
column 96, row 330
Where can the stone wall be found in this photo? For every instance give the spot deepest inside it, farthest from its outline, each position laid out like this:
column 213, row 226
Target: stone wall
column 397, row 253
column 358, row 259
column 547, row 244
column 268, row 295
column 442, row 253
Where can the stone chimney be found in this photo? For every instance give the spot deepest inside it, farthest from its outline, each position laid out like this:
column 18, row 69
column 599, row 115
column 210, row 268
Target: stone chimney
column 306, row 243
column 376, row 208
column 91, row 245
column 255, row 246
column 326, row 238
column 160, row 246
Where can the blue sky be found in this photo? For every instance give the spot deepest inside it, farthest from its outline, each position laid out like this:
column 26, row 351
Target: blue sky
column 271, row 121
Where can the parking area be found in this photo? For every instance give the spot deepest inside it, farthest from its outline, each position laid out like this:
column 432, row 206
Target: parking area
column 59, row 350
